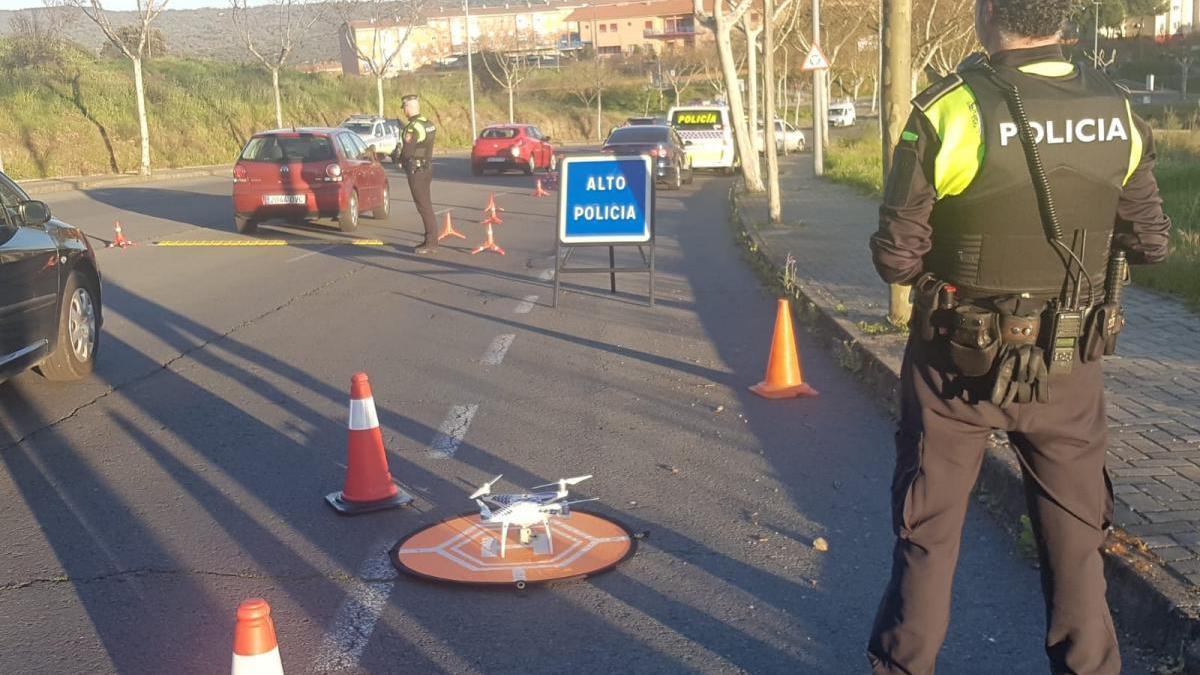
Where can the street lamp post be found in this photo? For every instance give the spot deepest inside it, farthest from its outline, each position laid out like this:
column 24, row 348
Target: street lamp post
column 1096, row 36
column 470, row 66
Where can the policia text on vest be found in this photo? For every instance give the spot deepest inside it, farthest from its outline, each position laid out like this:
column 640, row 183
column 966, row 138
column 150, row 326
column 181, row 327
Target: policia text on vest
column 961, row 215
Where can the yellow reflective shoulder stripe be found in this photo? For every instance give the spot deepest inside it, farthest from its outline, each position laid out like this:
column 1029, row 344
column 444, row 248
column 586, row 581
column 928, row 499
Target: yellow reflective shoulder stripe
column 955, row 118
column 1136, row 144
column 1049, row 68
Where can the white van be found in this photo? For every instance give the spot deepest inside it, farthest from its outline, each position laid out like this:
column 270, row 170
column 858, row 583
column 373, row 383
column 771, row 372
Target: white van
column 708, row 134
column 842, row 115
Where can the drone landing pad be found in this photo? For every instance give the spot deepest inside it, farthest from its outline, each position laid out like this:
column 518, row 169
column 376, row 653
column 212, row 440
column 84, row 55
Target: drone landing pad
column 463, row 550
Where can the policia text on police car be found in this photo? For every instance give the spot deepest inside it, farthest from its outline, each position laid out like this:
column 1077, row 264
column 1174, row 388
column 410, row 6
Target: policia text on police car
column 417, row 159
column 1021, row 187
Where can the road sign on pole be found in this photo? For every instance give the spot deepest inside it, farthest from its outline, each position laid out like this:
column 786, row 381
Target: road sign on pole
column 605, row 201
column 815, row 60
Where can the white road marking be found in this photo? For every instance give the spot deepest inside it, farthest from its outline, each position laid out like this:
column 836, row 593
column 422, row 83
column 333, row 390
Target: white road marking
column 527, row 305
column 499, row 347
column 547, row 275
column 310, row 254
column 453, row 430
column 355, row 621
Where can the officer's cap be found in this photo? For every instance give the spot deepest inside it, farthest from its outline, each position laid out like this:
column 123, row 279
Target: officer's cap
column 408, row 97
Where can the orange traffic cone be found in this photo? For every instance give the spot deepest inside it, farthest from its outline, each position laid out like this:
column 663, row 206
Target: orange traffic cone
column 449, row 231
column 489, row 244
column 784, row 378
column 369, row 485
column 255, row 651
column 539, row 191
column 119, row 240
column 491, row 213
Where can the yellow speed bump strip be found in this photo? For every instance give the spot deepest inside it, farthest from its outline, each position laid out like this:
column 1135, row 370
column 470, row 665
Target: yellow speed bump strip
column 258, row 243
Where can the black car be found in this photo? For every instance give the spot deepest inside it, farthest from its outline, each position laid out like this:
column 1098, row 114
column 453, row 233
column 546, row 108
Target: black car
column 49, row 291
column 646, row 121
column 672, row 164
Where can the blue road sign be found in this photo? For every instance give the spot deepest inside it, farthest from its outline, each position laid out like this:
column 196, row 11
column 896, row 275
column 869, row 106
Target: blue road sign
column 606, row 200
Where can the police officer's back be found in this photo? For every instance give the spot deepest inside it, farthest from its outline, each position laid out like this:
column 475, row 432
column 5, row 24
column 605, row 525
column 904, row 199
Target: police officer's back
column 416, row 158
column 1013, row 175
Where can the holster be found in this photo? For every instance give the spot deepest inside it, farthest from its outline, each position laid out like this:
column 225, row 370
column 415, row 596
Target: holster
column 1104, row 326
column 974, row 340
column 925, row 294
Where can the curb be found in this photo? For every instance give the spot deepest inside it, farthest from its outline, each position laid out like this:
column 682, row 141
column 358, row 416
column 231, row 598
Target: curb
column 42, row 186
column 1147, row 602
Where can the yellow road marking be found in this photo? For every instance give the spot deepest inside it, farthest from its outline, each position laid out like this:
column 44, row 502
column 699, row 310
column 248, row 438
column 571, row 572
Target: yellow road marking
column 258, row 243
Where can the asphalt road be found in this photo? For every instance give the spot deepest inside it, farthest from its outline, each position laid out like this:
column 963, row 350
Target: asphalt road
column 138, row 509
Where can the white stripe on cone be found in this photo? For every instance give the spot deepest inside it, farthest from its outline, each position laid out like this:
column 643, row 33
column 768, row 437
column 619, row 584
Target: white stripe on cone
column 267, row 663
column 362, row 414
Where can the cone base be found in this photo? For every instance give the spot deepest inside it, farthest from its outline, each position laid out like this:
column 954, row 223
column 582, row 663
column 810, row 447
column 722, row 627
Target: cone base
column 451, row 233
column 348, row 508
column 489, row 249
column 776, row 392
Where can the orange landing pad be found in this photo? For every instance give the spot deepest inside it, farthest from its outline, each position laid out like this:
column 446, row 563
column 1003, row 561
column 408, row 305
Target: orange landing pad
column 463, row 550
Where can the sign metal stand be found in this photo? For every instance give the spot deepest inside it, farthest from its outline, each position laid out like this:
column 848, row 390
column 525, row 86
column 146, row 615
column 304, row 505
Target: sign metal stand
column 628, row 184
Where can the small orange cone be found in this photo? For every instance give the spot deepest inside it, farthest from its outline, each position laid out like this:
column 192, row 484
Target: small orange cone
column 489, row 244
column 255, row 651
column 539, row 191
column 369, row 485
column 449, row 231
column 784, row 378
column 119, row 240
column 491, row 213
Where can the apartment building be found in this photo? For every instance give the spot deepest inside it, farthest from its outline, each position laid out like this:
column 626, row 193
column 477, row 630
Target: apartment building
column 649, row 25
column 1181, row 18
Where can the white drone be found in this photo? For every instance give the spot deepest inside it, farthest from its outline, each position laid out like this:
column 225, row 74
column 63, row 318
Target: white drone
column 526, row 510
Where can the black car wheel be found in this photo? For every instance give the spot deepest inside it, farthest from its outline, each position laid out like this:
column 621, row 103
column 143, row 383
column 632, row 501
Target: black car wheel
column 691, row 175
column 245, row 224
column 552, row 166
column 381, row 212
column 74, row 356
column 676, row 180
column 348, row 219
column 476, row 170
column 530, row 166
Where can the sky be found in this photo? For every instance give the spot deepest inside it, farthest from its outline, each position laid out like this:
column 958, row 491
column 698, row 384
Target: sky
column 122, row 4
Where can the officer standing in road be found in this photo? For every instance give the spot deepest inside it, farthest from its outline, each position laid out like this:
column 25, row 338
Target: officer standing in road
column 1021, row 187
column 417, row 159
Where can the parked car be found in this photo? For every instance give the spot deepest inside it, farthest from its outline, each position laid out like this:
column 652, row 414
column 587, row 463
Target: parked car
column 786, row 137
column 299, row 174
column 503, row 147
column 707, row 127
column 669, row 153
column 383, row 134
column 646, row 121
column 842, row 115
column 50, row 308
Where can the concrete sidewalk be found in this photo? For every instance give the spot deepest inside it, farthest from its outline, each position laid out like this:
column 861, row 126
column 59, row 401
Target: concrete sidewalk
column 43, row 186
column 1153, row 388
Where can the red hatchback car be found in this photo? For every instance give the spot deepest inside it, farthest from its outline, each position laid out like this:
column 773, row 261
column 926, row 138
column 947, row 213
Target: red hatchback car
column 512, row 146
column 299, row 174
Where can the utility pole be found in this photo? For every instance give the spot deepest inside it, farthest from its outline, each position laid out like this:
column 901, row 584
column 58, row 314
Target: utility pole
column 820, row 109
column 470, row 67
column 774, row 206
column 1096, row 36
column 897, row 91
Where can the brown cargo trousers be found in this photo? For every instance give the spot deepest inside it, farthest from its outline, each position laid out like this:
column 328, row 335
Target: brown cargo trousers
column 944, row 426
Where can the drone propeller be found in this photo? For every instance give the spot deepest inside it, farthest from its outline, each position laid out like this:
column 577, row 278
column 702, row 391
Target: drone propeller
column 580, row 501
column 562, row 482
column 485, row 489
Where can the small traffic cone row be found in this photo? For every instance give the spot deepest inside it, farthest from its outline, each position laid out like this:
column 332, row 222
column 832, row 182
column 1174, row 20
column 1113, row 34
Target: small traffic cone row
column 449, row 231
column 255, row 651
column 784, row 378
column 540, row 191
column 369, row 486
column 119, row 240
column 489, row 244
column 491, row 212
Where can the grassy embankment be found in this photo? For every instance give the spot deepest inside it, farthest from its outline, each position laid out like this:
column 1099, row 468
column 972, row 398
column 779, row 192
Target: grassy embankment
column 75, row 114
column 857, row 162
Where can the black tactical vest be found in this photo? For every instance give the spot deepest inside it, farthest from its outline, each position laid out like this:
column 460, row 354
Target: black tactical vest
column 422, row 150
column 989, row 240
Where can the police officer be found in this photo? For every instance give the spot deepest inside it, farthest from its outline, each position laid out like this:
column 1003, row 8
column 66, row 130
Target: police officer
column 996, row 338
column 417, row 159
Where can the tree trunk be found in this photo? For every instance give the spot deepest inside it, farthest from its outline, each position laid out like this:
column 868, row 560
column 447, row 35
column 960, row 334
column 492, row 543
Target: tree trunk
column 379, row 92
column 510, row 104
column 600, row 115
column 278, row 99
column 745, row 142
column 898, row 81
column 774, row 207
column 752, row 80
column 143, row 126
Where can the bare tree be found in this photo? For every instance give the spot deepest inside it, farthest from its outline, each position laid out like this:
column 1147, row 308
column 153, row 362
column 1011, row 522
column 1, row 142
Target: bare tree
column 38, row 35
column 680, row 69
column 947, row 32
column 388, row 23
column 724, row 16
column 288, row 21
column 133, row 46
column 507, row 62
column 587, row 81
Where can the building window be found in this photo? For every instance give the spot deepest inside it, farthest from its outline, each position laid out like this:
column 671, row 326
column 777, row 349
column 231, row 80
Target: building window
column 609, row 50
column 612, row 27
column 603, row 28
column 649, row 25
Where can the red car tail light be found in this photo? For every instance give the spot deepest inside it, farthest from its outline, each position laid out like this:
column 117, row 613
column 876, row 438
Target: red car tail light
column 333, row 173
column 240, row 174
